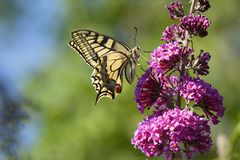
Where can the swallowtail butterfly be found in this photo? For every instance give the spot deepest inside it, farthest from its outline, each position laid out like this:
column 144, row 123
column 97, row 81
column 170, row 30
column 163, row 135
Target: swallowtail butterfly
column 110, row 59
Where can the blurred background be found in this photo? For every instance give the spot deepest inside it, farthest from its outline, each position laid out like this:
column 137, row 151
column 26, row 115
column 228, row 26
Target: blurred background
column 47, row 109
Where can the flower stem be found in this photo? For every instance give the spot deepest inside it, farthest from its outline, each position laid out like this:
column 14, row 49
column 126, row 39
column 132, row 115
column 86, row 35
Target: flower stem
column 183, row 65
column 192, row 6
column 177, row 156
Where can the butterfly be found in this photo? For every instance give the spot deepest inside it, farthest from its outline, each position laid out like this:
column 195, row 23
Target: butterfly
column 110, row 59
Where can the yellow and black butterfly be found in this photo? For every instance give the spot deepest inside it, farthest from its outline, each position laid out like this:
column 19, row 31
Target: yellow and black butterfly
column 109, row 58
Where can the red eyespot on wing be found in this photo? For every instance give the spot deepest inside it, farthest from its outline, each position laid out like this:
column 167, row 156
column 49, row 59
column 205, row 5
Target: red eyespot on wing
column 118, row 88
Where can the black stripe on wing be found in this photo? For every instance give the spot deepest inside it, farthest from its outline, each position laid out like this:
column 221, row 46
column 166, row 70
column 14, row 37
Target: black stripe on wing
column 89, row 61
column 102, row 40
column 107, row 83
column 97, row 45
column 82, row 46
column 104, row 86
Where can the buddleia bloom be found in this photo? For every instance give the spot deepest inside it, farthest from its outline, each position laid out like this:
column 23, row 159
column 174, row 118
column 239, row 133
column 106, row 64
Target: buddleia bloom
column 175, row 10
column 167, row 56
column 164, row 134
column 205, row 96
column 172, row 90
column 202, row 5
column 173, row 33
column 196, row 25
column 200, row 65
column 154, row 90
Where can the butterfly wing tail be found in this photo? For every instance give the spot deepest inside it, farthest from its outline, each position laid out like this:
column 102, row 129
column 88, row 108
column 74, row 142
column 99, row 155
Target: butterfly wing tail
column 104, row 86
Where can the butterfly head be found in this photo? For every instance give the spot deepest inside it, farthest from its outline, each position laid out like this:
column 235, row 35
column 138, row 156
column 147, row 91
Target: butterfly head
column 136, row 52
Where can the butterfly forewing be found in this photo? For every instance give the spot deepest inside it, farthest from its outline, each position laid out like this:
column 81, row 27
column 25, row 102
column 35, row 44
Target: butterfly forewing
column 86, row 54
column 109, row 58
column 93, row 45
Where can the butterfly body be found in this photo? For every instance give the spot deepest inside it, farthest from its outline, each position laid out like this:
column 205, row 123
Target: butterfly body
column 109, row 58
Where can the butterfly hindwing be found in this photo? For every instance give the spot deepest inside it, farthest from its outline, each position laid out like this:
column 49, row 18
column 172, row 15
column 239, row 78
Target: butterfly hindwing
column 103, row 80
column 109, row 58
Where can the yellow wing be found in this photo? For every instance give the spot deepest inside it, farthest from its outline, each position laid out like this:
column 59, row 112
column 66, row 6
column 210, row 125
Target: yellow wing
column 109, row 59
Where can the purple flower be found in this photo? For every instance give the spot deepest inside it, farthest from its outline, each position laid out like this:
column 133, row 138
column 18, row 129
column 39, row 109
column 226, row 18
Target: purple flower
column 154, row 90
column 167, row 56
column 175, row 10
column 196, row 25
column 201, row 64
column 173, row 33
column 204, row 95
column 202, row 5
column 147, row 90
column 163, row 134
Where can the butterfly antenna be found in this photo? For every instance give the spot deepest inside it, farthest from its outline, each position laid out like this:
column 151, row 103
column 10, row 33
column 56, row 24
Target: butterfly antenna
column 147, row 51
column 135, row 36
column 137, row 76
column 142, row 67
column 144, row 57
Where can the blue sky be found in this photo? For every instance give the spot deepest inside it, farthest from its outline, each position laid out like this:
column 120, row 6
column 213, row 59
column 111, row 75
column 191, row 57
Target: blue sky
column 25, row 47
column 28, row 44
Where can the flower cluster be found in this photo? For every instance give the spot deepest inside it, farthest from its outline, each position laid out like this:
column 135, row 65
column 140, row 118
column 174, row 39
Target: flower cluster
column 175, row 10
column 148, row 91
column 195, row 25
column 165, row 134
column 204, row 95
column 200, row 66
column 202, row 6
column 167, row 57
column 174, row 33
column 155, row 90
column 172, row 88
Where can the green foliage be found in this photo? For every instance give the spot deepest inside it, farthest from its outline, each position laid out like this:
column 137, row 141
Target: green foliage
column 235, row 142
